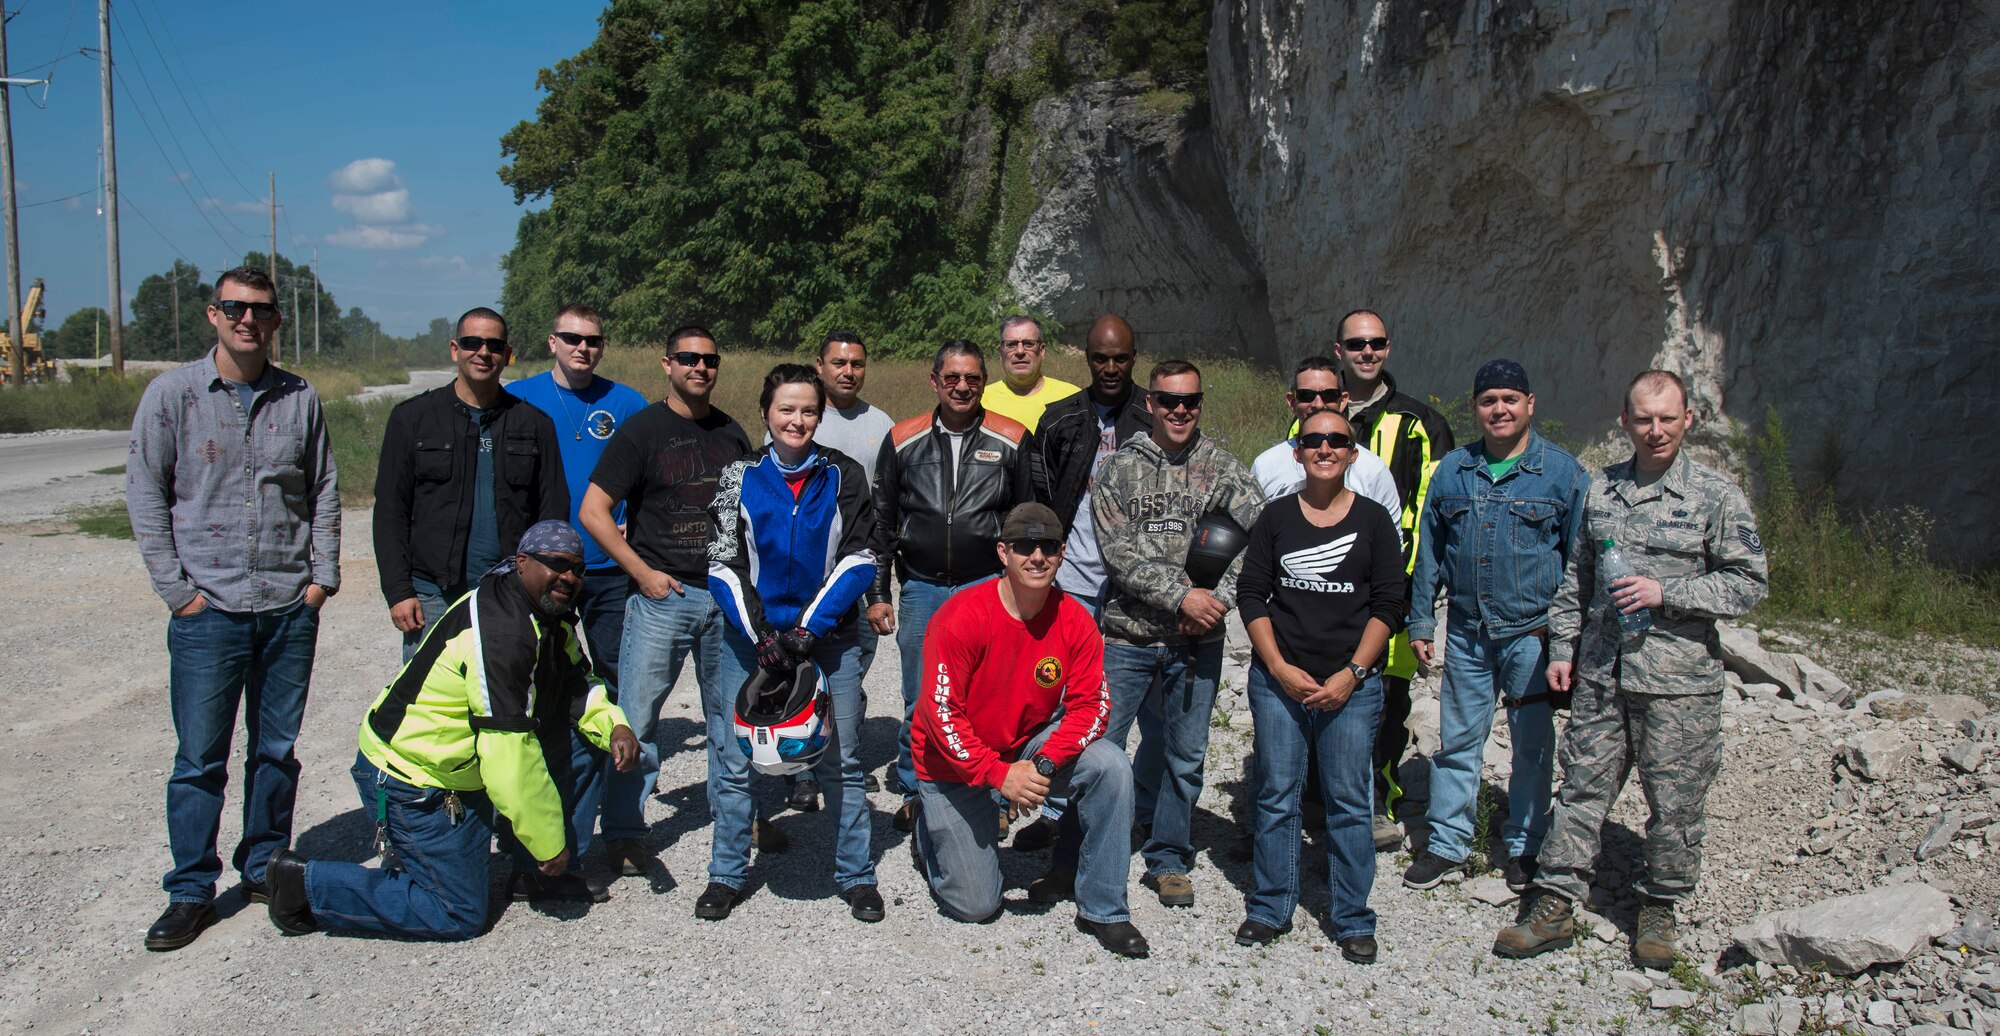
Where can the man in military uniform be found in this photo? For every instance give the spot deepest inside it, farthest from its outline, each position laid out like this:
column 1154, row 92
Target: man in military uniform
column 1648, row 700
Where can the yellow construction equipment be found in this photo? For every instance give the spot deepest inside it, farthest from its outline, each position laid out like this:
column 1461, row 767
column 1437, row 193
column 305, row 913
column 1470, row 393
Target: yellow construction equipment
column 37, row 366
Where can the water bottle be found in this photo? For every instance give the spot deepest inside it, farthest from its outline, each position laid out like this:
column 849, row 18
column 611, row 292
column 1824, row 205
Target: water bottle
column 1611, row 564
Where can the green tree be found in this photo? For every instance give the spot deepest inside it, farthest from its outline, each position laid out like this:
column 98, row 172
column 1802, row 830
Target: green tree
column 151, row 334
column 298, row 309
column 83, row 335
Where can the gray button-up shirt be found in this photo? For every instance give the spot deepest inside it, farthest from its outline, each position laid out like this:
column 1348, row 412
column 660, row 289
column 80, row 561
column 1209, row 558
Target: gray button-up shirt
column 240, row 508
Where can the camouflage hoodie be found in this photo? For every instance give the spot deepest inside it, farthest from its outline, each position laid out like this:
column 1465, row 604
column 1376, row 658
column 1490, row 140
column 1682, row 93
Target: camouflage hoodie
column 1146, row 503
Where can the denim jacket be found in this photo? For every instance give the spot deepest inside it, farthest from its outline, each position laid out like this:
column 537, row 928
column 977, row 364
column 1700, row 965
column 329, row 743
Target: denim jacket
column 1498, row 547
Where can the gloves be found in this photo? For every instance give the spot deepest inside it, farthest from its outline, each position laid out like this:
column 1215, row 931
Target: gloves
column 770, row 655
column 798, row 643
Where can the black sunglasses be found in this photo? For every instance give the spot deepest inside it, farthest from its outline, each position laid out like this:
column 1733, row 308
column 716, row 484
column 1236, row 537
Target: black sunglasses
column 1317, row 395
column 474, row 343
column 572, row 338
column 1026, row 547
column 558, row 563
column 1315, row 440
column 690, row 358
column 1355, row 345
column 1176, row 400
column 235, row 308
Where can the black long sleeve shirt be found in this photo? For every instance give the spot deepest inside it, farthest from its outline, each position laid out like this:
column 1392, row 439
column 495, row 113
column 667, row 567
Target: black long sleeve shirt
column 1320, row 586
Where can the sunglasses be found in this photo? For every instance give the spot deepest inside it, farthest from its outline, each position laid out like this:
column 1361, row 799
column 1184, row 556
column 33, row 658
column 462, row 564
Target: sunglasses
column 1315, row 440
column 1020, row 343
column 235, row 308
column 1317, row 395
column 1355, row 345
column 690, row 358
column 1176, row 400
column 955, row 380
column 1028, row 547
column 558, row 563
column 572, row 338
column 474, row 343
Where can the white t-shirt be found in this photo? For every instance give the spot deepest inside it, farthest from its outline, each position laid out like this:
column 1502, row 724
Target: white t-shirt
column 857, row 431
column 1083, row 570
column 1279, row 473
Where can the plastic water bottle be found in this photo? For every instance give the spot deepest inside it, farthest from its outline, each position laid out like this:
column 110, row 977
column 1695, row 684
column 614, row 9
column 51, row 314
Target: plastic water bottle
column 1613, row 566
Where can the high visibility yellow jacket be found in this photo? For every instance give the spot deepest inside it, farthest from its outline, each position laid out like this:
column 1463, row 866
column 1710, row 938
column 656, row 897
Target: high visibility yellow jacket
column 470, row 710
column 1411, row 438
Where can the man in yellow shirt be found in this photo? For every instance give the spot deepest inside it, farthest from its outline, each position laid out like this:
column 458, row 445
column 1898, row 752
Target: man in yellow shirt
column 1022, row 392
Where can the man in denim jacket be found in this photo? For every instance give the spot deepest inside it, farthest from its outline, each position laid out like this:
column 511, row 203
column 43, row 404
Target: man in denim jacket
column 1497, row 529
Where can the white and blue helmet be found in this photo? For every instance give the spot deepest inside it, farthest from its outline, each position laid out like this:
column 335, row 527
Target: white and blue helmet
column 783, row 722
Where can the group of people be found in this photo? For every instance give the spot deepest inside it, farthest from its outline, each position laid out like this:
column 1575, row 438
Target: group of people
column 1056, row 563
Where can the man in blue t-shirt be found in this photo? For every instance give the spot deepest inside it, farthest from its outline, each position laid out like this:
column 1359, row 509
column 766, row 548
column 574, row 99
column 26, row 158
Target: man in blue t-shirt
column 586, row 410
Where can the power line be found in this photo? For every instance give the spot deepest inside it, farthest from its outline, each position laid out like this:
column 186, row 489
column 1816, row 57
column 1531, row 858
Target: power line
column 161, row 110
column 199, row 208
column 147, row 220
column 66, row 197
column 175, row 82
column 175, row 47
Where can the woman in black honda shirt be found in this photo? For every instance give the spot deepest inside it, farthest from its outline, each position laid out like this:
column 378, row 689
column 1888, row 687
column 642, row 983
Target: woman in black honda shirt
column 1321, row 593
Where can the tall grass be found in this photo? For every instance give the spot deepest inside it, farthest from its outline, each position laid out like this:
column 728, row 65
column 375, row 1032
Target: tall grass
column 338, row 381
column 356, row 431
column 90, row 399
column 1874, row 571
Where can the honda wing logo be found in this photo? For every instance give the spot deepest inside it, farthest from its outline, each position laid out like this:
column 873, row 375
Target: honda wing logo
column 1307, row 569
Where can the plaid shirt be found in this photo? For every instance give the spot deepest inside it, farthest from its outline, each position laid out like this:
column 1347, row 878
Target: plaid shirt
column 243, row 511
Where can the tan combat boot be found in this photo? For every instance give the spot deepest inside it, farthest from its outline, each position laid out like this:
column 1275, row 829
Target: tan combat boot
column 1653, row 945
column 1550, row 925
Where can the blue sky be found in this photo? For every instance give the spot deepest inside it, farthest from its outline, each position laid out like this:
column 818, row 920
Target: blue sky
column 382, row 122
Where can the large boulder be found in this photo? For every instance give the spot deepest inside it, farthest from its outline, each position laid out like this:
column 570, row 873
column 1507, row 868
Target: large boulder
column 1876, row 754
column 1744, row 655
column 1848, row 934
column 1820, row 682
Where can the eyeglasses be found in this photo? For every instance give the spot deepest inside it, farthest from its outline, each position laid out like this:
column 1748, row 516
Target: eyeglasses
column 955, row 380
column 572, row 338
column 473, row 343
column 1020, row 343
column 1027, row 548
column 1355, row 345
column 1176, row 400
column 1315, row 440
column 690, row 358
column 560, row 564
column 1318, row 395
column 235, row 308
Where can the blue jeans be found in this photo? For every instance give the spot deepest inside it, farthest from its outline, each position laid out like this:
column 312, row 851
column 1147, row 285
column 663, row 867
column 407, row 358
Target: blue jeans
column 1476, row 671
column 438, row 892
column 1344, row 740
column 659, row 636
column 433, row 606
column 215, row 658
column 1168, row 765
column 601, row 612
column 916, row 604
column 839, row 770
column 957, row 832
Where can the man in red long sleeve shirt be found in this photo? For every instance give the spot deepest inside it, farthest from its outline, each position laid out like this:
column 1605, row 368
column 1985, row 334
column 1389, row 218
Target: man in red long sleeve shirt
column 1012, row 702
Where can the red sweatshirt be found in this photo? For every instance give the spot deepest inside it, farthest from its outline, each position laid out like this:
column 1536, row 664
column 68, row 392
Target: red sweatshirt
column 991, row 682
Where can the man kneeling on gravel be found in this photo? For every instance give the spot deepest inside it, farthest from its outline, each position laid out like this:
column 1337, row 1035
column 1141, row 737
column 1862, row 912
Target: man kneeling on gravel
column 457, row 738
column 1012, row 701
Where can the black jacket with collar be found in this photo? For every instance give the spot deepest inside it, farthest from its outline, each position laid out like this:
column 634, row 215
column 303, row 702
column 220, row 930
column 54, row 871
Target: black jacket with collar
column 430, row 464
column 937, row 521
column 1066, row 447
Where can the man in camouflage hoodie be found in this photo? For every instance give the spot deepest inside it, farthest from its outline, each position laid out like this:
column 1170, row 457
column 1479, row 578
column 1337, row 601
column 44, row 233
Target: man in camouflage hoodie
column 1651, row 700
column 1146, row 500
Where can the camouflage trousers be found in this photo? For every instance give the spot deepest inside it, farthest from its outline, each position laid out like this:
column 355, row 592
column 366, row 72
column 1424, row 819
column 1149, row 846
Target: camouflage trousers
column 1675, row 744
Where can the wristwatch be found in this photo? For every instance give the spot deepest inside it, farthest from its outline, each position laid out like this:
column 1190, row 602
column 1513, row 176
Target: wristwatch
column 1361, row 672
column 1044, row 765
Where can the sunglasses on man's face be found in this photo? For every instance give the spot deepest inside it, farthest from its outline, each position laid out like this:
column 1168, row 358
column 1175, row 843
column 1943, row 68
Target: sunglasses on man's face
column 1317, row 395
column 560, row 564
column 1315, row 440
column 1168, row 401
column 690, row 358
column 955, row 380
column 571, row 338
column 1027, row 548
column 235, row 308
column 1355, row 345
column 474, row 343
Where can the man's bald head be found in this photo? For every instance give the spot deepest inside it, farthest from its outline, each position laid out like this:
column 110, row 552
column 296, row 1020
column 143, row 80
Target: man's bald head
column 1110, row 352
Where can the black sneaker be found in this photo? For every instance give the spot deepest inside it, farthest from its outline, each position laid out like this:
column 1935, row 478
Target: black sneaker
column 716, row 902
column 1519, row 872
column 1428, row 870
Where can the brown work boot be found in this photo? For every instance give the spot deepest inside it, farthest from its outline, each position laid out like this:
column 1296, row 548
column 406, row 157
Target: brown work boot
column 1550, row 925
column 1653, row 945
column 1175, row 890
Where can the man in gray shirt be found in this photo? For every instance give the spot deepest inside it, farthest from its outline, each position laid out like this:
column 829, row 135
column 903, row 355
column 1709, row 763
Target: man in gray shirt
column 230, row 485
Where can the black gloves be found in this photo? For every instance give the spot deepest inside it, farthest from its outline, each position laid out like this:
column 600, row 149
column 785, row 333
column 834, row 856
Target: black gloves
column 782, row 652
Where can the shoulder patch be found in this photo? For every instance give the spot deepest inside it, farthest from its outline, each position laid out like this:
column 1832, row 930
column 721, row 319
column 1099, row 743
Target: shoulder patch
column 1005, row 427
column 1749, row 538
column 909, row 428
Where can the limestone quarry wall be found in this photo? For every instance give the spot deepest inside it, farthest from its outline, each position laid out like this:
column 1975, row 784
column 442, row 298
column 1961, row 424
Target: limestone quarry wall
column 1790, row 202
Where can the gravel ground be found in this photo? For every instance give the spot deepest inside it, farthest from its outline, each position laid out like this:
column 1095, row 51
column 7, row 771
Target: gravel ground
column 92, row 740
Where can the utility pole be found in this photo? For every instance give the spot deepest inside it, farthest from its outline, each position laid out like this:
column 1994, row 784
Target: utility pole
column 295, row 316
column 278, row 342
column 116, row 309
column 315, row 302
column 16, row 333
column 175, row 294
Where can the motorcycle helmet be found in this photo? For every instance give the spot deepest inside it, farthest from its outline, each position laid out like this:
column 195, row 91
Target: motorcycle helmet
column 783, row 720
column 1217, row 541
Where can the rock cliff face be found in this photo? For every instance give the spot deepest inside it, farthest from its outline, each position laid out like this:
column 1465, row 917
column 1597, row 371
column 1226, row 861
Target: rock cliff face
column 1789, row 202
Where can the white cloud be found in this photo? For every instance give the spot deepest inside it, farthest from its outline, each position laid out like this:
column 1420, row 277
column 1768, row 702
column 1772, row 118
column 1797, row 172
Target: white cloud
column 371, row 193
column 386, row 238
